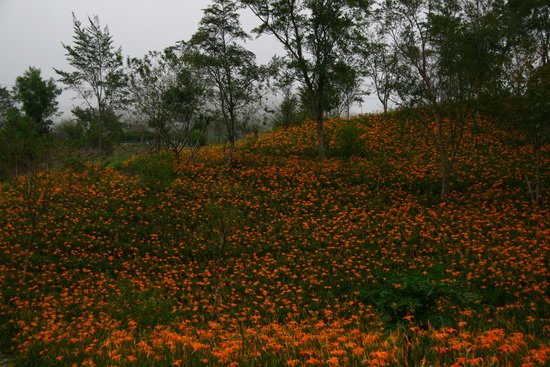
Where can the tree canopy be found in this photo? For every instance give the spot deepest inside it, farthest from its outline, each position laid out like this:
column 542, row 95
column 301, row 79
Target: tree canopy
column 98, row 77
column 217, row 49
column 38, row 98
column 316, row 36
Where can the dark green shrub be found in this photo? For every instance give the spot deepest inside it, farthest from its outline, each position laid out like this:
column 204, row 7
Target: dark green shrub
column 398, row 296
column 156, row 169
column 347, row 142
column 146, row 307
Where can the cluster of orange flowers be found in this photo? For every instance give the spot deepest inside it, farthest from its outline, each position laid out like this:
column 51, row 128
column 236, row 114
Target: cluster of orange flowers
column 263, row 264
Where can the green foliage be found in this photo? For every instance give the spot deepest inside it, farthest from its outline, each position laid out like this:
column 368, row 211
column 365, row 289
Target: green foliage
column 24, row 144
column 155, row 170
column 89, row 130
column 37, row 97
column 289, row 112
column 318, row 37
column 72, row 132
column 538, row 94
column 381, row 65
column 399, row 296
column 347, row 142
column 6, row 105
column 21, row 147
column 171, row 95
column 99, row 77
column 147, row 308
column 232, row 68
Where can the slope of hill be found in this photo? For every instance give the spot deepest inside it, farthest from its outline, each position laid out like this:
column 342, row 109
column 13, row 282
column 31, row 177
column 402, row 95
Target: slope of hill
column 282, row 260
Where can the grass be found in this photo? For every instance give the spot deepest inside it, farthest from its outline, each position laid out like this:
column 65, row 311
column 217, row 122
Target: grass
column 282, row 261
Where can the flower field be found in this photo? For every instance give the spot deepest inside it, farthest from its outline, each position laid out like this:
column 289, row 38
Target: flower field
column 282, row 260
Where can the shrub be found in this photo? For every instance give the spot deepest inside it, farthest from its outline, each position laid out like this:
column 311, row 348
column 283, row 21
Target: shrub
column 347, row 141
column 398, row 296
column 156, row 169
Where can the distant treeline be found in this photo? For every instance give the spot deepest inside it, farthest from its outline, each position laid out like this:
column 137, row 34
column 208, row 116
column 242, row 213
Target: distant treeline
column 448, row 58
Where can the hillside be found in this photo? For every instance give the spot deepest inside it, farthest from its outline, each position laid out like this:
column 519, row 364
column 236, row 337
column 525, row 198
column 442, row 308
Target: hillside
column 282, row 260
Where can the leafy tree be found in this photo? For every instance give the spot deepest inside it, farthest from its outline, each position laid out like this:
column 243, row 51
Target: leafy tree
column 347, row 89
column 529, row 25
column 72, row 132
column 534, row 123
column 24, row 144
column 171, row 95
column 382, row 68
column 317, row 35
column 231, row 67
column 505, row 48
column 481, row 51
column 290, row 110
column 9, row 116
column 37, row 97
column 21, row 147
column 425, row 34
column 99, row 77
column 6, row 105
column 529, row 56
column 99, row 133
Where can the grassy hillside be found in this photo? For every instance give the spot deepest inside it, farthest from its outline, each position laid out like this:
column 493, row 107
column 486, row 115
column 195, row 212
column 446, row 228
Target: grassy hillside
column 282, row 260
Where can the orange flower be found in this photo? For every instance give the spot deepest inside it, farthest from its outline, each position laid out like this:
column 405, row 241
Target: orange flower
column 313, row 361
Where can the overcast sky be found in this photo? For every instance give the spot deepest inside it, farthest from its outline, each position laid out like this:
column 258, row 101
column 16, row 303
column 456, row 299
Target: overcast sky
column 31, row 32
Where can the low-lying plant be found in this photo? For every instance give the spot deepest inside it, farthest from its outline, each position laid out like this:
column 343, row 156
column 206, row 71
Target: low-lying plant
column 402, row 298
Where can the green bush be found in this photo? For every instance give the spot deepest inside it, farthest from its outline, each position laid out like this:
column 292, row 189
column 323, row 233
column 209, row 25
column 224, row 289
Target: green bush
column 398, row 296
column 347, row 142
column 156, row 169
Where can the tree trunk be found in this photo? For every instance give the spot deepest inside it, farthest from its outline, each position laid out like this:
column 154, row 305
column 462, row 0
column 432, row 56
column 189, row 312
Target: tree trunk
column 321, row 147
column 445, row 174
column 444, row 159
column 100, row 125
column 231, row 156
column 231, row 140
column 538, row 148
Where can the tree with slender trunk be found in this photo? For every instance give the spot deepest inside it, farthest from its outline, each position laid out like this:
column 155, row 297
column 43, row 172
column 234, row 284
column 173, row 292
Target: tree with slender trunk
column 425, row 34
column 317, row 36
column 172, row 96
column 231, row 67
column 6, row 105
column 98, row 76
column 527, row 71
column 381, row 67
column 38, row 98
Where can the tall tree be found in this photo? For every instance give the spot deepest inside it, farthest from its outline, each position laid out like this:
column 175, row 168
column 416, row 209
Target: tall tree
column 382, row 69
column 6, row 105
column 230, row 66
column 171, row 94
column 38, row 98
column 347, row 90
column 425, row 34
column 24, row 140
column 317, row 35
column 481, row 51
column 529, row 23
column 282, row 83
column 528, row 74
column 99, row 77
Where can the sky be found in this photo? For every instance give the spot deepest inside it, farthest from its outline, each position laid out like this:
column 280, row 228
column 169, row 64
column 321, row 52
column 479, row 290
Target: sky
column 32, row 33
